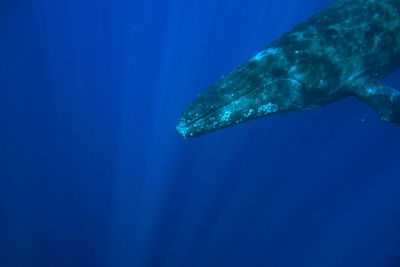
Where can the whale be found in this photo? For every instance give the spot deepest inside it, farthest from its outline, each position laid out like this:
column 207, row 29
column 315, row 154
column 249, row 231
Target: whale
column 344, row 50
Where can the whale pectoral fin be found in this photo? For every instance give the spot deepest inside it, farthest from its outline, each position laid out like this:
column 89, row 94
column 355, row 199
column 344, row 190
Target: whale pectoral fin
column 383, row 99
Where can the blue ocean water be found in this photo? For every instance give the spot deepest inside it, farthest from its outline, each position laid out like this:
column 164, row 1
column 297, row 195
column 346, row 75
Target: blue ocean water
column 92, row 172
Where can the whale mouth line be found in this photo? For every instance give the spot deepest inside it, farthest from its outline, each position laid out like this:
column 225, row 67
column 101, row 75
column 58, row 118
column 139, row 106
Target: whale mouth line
column 240, row 96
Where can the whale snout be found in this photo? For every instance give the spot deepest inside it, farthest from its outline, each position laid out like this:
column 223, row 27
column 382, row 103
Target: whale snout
column 184, row 130
column 207, row 122
column 199, row 125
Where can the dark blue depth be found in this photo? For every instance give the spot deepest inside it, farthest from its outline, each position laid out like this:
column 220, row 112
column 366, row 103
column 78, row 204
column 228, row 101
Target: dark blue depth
column 93, row 174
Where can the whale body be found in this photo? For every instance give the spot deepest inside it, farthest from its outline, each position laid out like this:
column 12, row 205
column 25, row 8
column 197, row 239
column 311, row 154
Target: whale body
column 344, row 50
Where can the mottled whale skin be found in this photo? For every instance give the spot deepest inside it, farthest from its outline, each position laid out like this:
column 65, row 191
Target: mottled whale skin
column 341, row 51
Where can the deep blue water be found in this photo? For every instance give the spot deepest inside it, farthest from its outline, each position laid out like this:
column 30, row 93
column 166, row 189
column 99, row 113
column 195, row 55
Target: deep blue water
column 92, row 172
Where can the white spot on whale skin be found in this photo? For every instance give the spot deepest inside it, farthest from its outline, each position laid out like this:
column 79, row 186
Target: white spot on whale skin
column 272, row 51
column 292, row 69
column 259, row 56
column 371, row 91
column 182, row 129
column 249, row 113
column 299, row 35
column 226, row 115
column 264, row 53
column 268, row 108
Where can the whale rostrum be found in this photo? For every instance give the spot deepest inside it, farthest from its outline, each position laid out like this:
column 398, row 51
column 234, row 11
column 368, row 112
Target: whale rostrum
column 344, row 50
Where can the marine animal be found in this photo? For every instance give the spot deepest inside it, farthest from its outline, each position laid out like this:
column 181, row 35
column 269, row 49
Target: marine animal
column 343, row 50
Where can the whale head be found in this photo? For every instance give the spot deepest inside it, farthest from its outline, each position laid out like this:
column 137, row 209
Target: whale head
column 242, row 95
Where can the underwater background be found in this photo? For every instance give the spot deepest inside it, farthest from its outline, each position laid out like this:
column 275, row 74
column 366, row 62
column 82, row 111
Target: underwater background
column 92, row 172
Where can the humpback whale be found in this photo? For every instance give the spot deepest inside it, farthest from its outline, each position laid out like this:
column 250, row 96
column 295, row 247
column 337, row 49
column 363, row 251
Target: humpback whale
column 343, row 50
